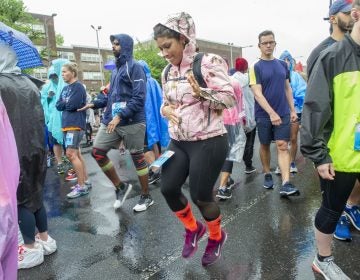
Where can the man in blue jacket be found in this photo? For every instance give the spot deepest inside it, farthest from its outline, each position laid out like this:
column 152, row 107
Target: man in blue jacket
column 123, row 120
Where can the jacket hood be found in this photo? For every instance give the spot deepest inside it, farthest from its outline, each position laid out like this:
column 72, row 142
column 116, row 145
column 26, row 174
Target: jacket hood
column 146, row 68
column 184, row 24
column 56, row 66
column 127, row 46
column 287, row 55
column 8, row 60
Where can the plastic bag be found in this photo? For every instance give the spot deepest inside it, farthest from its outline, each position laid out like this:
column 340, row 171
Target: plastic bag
column 237, row 140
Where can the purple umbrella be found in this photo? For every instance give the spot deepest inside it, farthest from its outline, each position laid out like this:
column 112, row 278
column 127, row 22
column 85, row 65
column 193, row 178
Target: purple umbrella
column 27, row 54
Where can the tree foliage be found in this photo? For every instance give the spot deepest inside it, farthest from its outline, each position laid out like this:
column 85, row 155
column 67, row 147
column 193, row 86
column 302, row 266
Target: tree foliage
column 13, row 13
column 59, row 40
column 149, row 53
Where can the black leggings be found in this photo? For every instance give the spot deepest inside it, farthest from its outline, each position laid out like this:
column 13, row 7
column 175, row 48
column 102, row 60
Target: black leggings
column 88, row 132
column 335, row 193
column 201, row 161
column 249, row 147
column 28, row 220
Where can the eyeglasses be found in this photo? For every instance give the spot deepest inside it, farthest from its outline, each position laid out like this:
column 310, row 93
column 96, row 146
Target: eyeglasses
column 271, row 43
column 116, row 43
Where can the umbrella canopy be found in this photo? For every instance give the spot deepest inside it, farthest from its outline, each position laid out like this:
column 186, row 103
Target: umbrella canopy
column 27, row 54
column 110, row 65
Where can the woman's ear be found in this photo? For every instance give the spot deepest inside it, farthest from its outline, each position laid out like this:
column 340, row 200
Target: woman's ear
column 183, row 40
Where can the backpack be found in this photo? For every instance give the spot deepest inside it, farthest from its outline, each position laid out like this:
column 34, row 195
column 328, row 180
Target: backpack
column 196, row 68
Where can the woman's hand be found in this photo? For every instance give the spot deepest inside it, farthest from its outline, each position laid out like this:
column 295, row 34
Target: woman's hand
column 195, row 86
column 87, row 106
column 169, row 112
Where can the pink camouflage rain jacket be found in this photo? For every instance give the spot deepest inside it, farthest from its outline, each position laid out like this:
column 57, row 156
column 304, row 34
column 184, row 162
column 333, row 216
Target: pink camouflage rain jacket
column 199, row 118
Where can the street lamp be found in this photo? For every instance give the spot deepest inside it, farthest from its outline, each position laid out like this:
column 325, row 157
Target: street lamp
column 100, row 59
column 231, row 54
column 47, row 36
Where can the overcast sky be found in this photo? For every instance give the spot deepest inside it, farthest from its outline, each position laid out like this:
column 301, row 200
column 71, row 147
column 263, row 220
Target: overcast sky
column 298, row 25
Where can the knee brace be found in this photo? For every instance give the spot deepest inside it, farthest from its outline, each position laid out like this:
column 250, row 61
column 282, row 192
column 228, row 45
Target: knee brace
column 100, row 156
column 140, row 163
column 326, row 220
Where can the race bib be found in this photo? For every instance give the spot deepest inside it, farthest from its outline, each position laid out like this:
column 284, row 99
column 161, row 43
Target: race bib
column 162, row 159
column 69, row 138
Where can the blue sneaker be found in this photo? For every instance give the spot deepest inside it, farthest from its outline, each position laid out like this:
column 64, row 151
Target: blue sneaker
column 288, row 189
column 342, row 231
column 268, row 181
column 353, row 214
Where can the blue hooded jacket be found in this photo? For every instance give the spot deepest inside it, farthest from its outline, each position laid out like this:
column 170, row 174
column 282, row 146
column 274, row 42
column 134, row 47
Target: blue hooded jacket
column 127, row 86
column 297, row 83
column 156, row 125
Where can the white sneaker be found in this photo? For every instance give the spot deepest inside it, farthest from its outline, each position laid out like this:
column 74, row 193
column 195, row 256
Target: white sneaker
column 28, row 258
column 49, row 246
column 121, row 195
column 144, row 203
column 277, row 170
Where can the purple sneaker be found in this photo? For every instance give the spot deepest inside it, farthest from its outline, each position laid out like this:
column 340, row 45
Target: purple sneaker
column 213, row 250
column 191, row 240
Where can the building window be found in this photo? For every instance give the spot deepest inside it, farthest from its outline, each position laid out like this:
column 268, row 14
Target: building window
column 66, row 55
column 40, row 73
column 90, row 57
column 38, row 28
column 92, row 76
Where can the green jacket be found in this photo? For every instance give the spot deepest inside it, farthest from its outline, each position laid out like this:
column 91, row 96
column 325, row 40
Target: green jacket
column 332, row 108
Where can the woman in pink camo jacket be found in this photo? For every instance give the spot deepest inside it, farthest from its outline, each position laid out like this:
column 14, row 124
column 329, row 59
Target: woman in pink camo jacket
column 198, row 135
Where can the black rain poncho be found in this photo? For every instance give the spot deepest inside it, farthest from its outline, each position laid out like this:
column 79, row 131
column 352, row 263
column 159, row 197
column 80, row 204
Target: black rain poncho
column 22, row 101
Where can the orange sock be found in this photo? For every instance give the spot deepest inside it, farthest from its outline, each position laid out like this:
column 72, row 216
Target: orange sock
column 214, row 229
column 187, row 218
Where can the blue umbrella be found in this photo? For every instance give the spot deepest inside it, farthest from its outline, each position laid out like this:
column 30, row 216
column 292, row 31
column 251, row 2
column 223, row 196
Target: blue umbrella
column 27, row 54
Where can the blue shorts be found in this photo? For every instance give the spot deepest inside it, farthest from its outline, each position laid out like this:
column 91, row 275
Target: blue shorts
column 268, row 132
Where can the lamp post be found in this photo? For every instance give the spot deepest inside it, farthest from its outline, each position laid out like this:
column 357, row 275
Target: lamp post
column 244, row 47
column 48, row 37
column 231, row 54
column 98, row 47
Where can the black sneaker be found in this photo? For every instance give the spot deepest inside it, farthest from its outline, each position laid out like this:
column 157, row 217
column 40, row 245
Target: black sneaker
column 121, row 195
column 230, row 183
column 154, row 177
column 224, row 193
column 288, row 189
column 250, row 169
column 144, row 203
column 268, row 181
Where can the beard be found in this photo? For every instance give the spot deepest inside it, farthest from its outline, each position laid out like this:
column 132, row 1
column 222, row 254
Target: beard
column 116, row 54
column 343, row 26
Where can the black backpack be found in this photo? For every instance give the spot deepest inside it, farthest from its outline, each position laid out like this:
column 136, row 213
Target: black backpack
column 196, row 68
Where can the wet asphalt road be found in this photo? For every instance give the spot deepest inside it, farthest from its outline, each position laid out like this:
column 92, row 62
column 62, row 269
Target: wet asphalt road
column 268, row 237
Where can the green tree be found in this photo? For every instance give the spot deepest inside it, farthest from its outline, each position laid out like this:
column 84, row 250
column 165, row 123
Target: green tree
column 13, row 13
column 59, row 40
column 149, row 53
